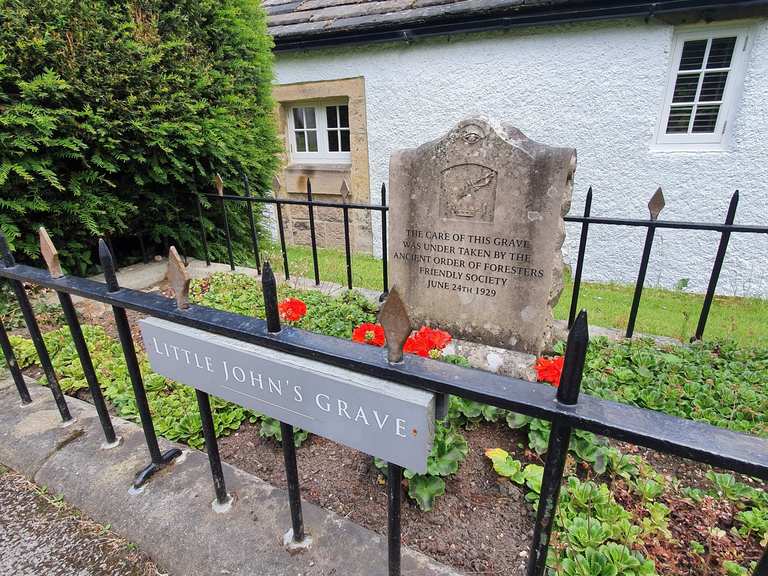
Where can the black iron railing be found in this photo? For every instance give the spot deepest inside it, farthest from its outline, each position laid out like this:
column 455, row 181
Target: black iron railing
column 586, row 220
column 565, row 407
column 311, row 204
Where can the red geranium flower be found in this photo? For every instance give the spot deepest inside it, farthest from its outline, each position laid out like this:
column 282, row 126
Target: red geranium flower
column 550, row 369
column 427, row 342
column 292, row 309
column 368, row 333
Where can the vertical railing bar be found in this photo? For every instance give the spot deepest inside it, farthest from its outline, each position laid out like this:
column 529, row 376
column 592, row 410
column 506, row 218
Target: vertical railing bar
column 228, row 235
column 384, row 263
column 143, row 248
column 254, row 236
column 159, row 460
column 580, row 260
column 722, row 248
column 281, row 232
column 347, row 250
column 557, row 448
column 269, row 289
column 13, row 365
column 312, row 233
column 70, row 315
column 223, row 500
column 640, row 280
column 202, row 229
column 34, row 333
column 394, row 524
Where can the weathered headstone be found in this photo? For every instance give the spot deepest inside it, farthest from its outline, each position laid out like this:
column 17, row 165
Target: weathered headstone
column 476, row 233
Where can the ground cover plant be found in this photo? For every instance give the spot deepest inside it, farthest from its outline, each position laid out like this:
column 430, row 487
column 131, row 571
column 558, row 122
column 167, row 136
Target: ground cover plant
column 114, row 140
column 617, row 514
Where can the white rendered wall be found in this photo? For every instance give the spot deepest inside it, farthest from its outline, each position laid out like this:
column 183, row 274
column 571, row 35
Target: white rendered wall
column 597, row 87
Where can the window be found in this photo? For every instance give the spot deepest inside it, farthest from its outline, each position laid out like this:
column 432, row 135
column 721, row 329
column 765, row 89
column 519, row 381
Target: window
column 704, row 86
column 319, row 132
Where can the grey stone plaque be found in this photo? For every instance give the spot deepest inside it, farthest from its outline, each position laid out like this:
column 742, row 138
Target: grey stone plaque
column 387, row 420
column 476, row 233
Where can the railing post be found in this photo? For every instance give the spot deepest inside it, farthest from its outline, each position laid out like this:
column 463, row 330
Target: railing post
column 725, row 237
column 384, row 269
column 580, row 260
column 159, row 460
column 203, row 235
column 655, row 206
column 220, row 190
column 254, row 235
column 312, row 232
column 280, row 228
column 296, row 534
column 394, row 508
column 762, row 568
column 34, row 332
column 557, row 449
column 51, row 257
column 345, row 214
column 13, row 365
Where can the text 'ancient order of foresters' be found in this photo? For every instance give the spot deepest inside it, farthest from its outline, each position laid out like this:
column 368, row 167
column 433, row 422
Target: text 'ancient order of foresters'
column 477, row 229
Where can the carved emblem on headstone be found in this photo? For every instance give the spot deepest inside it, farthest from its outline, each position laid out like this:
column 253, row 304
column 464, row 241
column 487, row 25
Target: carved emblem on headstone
column 468, row 193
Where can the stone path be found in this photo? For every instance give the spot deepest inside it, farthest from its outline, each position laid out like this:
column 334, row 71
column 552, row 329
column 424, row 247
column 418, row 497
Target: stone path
column 39, row 534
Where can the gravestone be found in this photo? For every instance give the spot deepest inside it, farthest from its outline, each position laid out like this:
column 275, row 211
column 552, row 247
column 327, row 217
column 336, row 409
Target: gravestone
column 476, row 233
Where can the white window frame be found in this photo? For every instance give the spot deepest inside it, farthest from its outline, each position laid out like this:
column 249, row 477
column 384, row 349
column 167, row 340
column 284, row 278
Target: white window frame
column 719, row 139
column 323, row 154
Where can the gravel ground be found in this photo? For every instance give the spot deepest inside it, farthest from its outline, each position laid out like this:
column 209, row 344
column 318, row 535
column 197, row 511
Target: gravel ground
column 40, row 534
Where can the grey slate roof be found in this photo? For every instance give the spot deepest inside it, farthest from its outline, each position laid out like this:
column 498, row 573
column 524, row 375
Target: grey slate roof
column 290, row 18
column 301, row 24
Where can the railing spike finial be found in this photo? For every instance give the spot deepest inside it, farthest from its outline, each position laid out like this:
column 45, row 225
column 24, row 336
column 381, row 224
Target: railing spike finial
column 108, row 265
column 269, row 289
column 393, row 317
column 575, row 356
column 178, row 278
column 344, row 191
column 276, row 185
column 219, row 183
column 50, row 254
column 656, row 204
column 6, row 256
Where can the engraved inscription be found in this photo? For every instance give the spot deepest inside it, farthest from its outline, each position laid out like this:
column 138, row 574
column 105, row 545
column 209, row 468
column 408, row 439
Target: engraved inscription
column 468, row 193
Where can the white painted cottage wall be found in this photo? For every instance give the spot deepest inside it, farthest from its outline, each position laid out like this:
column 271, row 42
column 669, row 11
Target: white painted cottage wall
column 599, row 88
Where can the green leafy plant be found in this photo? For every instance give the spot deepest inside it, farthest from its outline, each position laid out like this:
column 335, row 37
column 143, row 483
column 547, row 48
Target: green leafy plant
column 113, row 114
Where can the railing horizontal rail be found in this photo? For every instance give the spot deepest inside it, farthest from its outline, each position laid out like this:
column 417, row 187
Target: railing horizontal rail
column 751, row 229
column 703, row 442
column 321, row 203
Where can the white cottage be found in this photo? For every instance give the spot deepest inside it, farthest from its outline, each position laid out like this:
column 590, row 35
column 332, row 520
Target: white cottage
column 669, row 93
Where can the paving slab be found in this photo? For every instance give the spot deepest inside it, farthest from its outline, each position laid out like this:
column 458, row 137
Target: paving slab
column 172, row 519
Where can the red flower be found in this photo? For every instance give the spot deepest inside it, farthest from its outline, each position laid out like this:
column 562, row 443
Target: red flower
column 427, row 342
column 292, row 309
column 368, row 333
column 550, row 369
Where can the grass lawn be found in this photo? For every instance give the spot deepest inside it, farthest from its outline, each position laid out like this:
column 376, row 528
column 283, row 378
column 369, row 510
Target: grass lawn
column 662, row 312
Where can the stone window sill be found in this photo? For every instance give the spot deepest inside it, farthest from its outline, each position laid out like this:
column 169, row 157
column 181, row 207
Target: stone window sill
column 318, row 167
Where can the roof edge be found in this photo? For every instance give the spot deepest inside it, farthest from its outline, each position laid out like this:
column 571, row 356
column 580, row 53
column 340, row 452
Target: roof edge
column 467, row 23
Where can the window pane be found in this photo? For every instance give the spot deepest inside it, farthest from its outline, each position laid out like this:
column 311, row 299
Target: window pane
column 298, row 118
column 333, row 141
column 706, row 119
column 309, row 116
column 311, row 141
column 693, row 54
column 344, row 116
column 301, row 142
column 330, row 114
column 344, row 140
column 685, row 88
column 679, row 117
column 721, row 52
column 713, row 86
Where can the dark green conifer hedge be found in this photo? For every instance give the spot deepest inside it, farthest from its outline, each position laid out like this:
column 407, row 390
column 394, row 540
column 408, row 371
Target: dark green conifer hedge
column 113, row 113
